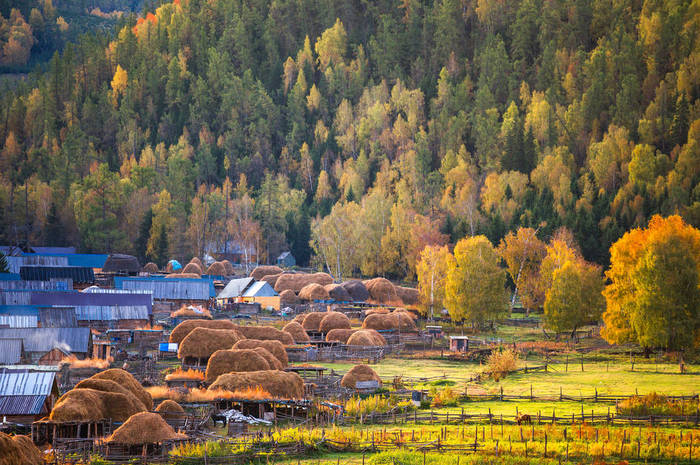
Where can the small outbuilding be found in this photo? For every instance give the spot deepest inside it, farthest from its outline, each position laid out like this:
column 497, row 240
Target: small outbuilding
column 286, row 260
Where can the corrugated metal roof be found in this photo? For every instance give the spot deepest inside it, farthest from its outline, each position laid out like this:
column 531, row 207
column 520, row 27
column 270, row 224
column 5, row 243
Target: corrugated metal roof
column 88, row 260
column 15, row 297
column 15, row 263
column 22, row 405
column 44, row 339
column 10, row 351
column 75, row 299
column 9, row 277
column 26, row 383
column 235, row 288
column 54, row 250
column 58, row 317
column 111, row 313
column 19, row 321
column 79, row 274
column 169, row 288
column 260, row 289
column 52, row 285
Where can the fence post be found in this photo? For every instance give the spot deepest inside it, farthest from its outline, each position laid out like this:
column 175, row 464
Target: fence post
column 545, row 444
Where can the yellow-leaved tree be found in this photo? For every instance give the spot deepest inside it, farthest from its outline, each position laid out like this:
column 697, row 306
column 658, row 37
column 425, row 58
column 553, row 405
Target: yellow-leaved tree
column 475, row 288
column 653, row 297
column 431, row 269
column 523, row 252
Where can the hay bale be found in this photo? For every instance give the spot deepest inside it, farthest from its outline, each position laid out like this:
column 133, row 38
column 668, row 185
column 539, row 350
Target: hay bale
column 185, row 275
column 313, row 291
column 202, row 342
column 299, row 318
column 359, row 373
column 297, row 281
column 31, row 455
column 408, row 295
column 107, row 385
column 339, row 335
column 334, row 320
column 271, row 360
column 280, row 384
column 337, row 292
column 197, row 262
column 170, row 406
column 119, row 407
column 228, row 267
column 144, row 428
column 265, row 333
column 264, row 270
column 274, row 347
column 367, row 338
column 381, row 290
column 380, row 321
column 150, row 268
column 216, row 269
column 184, row 328
column 125, row 379
column 192, row 268
column 234, row 360
column 357, row 290
column 288, row 297
column 312, row 321
column 297, row 332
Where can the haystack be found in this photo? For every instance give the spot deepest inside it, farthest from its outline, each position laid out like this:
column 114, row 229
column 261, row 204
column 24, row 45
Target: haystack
column 192, row 268
column 202, row 342
column 297, row 281
column 271, row 360
column 79, row 405
column 271, row 279
column 197, row 262
column 228, row 267
column 380, row 321
column 274, row 347
column 359, row 373
column 339, row 335
column 126, row 379
column 367, row 338
column 313, row 291
column 408, row 295
column 171, row 409
column 288, row 297
column 184, row 328
column 405, row 321
column 357, row 290
column 234, row 360
column 379, row 310
column 299, row 318
column 119, row 407
column 334, row 320
column 280, row 384
column 312, row 321
column 264, row 270
column 265, row 333
column 107, row 385
column 31, row 455
column 150, row 268
column 216, row 269
column 381, row 290
column 297, row 332
column 337, row 292
column 185, row 275
column 144, row 428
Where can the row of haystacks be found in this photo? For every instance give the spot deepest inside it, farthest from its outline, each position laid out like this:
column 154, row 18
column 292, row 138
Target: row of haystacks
column 184, row 328
column 266, row 333
column 359, row 373
column 323, row 321
column 19, row 450
column 262, row 333
column 279, row 384
column 356, row 337
column 112, row 393
column 194, row 269
column 263, row 270
column 397, row 320
column 202, row 342
column 297, row 281
column 275, row 348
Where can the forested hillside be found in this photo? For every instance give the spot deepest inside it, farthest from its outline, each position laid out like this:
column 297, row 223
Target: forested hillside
column 361, row 130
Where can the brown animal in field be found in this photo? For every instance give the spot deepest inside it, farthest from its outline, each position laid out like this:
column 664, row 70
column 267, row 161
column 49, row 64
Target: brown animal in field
column 523, row 418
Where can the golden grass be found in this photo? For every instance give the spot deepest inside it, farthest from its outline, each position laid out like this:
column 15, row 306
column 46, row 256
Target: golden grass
column 207, row 395
column 185, row 374
column 75, row 362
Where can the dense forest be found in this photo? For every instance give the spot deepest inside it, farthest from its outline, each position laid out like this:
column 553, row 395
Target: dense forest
column 364, row 128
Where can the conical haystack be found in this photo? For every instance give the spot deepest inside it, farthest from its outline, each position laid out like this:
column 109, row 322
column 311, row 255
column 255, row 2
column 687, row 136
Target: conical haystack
column 357, row 290
column 264, row 270
column 184, row 328
column 381, row 322
column 271, row 360
column 337, row 293
column 216, row 269
column 150, row 268
column 297, row 281
column 228, row 267
column 408, row 295
column 144, row 428
column 170, row 409
column 313, row 291
column 334, row 320
column 312, row 321
column 288, row 297
column 234, row 360
column 265, row 333
column 192, row 268
column 359, row 373
column 297, row 332
column 382, row 291
column 202, row 342
column 340, row 335
column 197, row 262
column 366, row 337
column 107, row 385
column 19, row 450
column 126, row 380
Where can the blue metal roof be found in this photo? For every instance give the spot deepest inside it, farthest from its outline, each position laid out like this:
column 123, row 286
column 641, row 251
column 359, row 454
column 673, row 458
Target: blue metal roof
column 10, row 351
column 78, row 299
column 79, row 274
column 9, row 276
column 53, row 250
column 22, row 405
column 89, row 260
column 26, row 383
column 165, row 288
column 44, row 339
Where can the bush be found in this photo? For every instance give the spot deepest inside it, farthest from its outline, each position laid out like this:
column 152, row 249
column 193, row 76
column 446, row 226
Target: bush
column 446, row 397
column 501, row 363
column 656, row 404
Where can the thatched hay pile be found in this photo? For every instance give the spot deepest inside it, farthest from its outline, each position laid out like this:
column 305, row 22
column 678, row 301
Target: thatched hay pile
column 367, row 338
column 144, row 428
column 216, row 269
column 228, row 267
column 405, row 321
column 297, row 281
column 192, row 268
column 338, row 292
column 340, row 335
column 265, row 270
column 381, row 321
column 170, row 406
column 271, row 279
column 185, row 275
column 184, row 328
column 19, row 450
column 107, row 385
column 234, row 360
column 280, row 384
column 357, row 290
column 378, row 310
column 288, row 297
column 359, row 373
column 334, row 320
column 312, row 321
column 313, row 291
column 150, row 268
column 381, row 290
column 265, row 333
column 93, row 405
column 408, row 295
column 409, row 314
column 274, row 347
column 297, row 332
column 300, row 318
column 197, row 262
column 126, row 380
column 202, row 342
column 271, row 360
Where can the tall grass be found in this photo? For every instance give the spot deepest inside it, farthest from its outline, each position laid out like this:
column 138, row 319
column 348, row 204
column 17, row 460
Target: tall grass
column 656, row 404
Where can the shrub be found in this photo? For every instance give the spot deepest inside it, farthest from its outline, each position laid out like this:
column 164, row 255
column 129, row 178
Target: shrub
column 656, row 404
column 446, row 397
column 501, row 363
